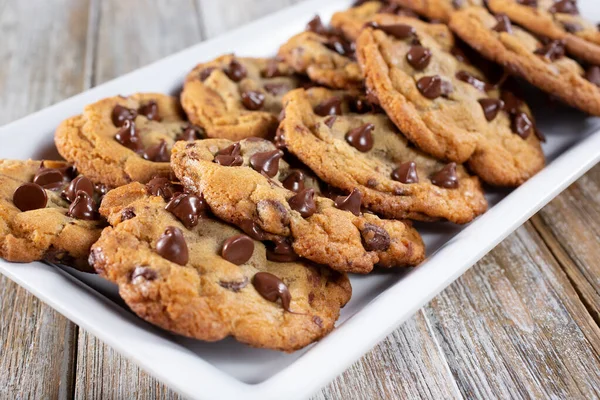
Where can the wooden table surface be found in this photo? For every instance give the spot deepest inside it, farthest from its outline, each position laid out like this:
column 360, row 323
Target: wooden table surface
column 522, row 323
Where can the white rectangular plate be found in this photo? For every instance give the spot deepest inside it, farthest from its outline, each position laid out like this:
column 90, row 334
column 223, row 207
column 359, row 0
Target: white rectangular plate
column 381, row 301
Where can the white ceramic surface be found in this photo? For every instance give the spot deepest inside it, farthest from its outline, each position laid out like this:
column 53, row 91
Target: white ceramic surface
column 381, row 301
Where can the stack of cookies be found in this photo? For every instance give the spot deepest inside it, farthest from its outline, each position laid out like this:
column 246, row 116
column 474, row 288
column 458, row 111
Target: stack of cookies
column 239, row 208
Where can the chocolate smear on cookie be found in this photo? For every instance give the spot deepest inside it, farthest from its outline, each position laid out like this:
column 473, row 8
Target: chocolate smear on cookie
column 171, row 245
column 233, row 285
column 406, row 173
column 272, row 288
column 30, row 196
column 237, row 249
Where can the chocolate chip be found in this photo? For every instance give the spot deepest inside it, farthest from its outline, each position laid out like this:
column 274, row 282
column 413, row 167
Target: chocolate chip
column 141, row 274
column 267, row 162
column 235, row 71
column 406, row 173
column 191, row 133
column 252, row 229
column 171, row 245
column 360, row 105
column 459, row 54
column 552, row 51
column 253, row 100
column 446, row 177
column 157, row 153
column 188, row 208
column 361, row 138
column 128, row 136
column 418, row 57
column 491, row 107
column 399, row 31
column 375, row 238
column 332, row 106
column 272, row 288
column 229, row 156
column 49, row 178
column 127, row 213
column 564, row 7
column 340, row 46
column 351, row 203
column 30, row 196
column 329, row 121
column 433, row 87
column 316, row 25
column 522, row 125
column 121, row 114
column 294, row 181
column 472, row 80
column 150, row 111
column 529, row 3
column 503, row 24
column 237, row 249
column 457, row 3
column 163, row 187
column 282, row 251
column 276, row 89
column 272, row 69
column 83, row 207
column 234, row 286
column 511, row 102
column 572, row 27
column 593, row 75
column 304, row 202
column 81, row 183
column 101, row 188
column 318, row 321
column 205, row 73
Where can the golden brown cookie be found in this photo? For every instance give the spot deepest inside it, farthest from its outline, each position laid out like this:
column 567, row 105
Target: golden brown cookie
column 542, row 64
column 234, row 98
column 123, row 139
column 195, row 276
column 48, row 213
column 438, row 10
column 557, row 20
column 351, row 148
column 247, row 184
column 445, row 105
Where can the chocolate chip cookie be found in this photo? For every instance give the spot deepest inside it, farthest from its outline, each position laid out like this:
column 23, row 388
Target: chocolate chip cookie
column 123, row 139
column 193, row 275
column 353, row 148
column 48, row 213
column 543, row 64
column 234, row 98
column 445, row 105
column 555, row 20
column 438, row 10
column 248, row 184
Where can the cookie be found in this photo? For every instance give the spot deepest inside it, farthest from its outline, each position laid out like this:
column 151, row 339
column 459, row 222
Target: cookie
column 445, row 105
column 48, row 213
column 247, row 184
column 541, row 64
column 324, row 55
column 351, row 21
column 195, row 276
column 234, row 98
column 438, row 10
column 354, row 149
column 123, row 139
column 556, row 20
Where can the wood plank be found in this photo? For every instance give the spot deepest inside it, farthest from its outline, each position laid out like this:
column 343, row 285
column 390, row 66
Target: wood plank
column 42, row 51
column 514, row 327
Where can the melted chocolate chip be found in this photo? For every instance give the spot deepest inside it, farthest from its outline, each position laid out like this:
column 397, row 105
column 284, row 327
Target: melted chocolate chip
column 272, row 69
column 127, row 213
column 529, row 3
column 276, row 89
column 128, row 136
column 253, row 100
column 163, row 187
column 252, row 229
column 360, row 105
column 351, row 203
column 234, row 286
column 157, row 153
column 191, row 133
column 399, row 31
column 418, row 57
column 361, row 138
column 294, row 181
column 511, row 102
column 593, row 75
column 552, row 51
column 141, row 274
column 457, row 3
column 332, row 106
column 282, row 251
column 433, row 87
column 472, row 80
column 237, row 249
column 572, row 27
column 205, row 73
column 188, row 208
column 459, row 54
column 150, row 111
column 121, row 114
column 49, row 178
column 81, row 183
column 340, row 46
column 83, row 207
column 329, row 121
column 30, row 196
column 522, row 125
column 229, row 156
column 235, row 71
column 503, row 24
column 446, row 177
column 272, row 288
column 564, row 7
column 304, row 202
column 406, row 173
column 375, row 238
column 171, row 245
column 491, row 107
column 267, row 162
column 316, row 25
